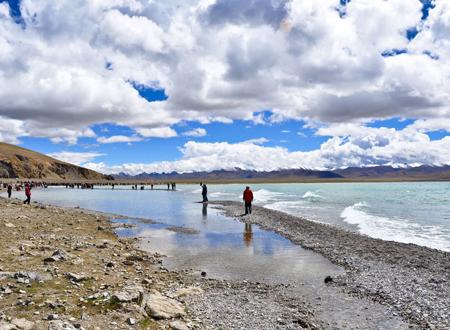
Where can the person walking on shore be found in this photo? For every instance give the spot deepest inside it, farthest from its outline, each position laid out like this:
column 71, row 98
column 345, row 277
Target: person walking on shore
column 204, row 193
column 27, row 194
column 248, row 199
column 9, row 190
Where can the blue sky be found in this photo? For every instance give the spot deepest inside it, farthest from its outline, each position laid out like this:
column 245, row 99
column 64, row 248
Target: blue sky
column 186, row 86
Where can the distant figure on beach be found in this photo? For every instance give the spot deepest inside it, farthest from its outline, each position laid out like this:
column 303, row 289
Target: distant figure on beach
column 248, row 199
column 151, row 186
column 168, row 186
column 27, row 194
column 9, row 190
column 204, row 193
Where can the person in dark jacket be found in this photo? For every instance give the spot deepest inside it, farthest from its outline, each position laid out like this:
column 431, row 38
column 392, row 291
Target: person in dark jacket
column 9, row 190
column 204, row 193
column 248, row 199
column 27, row 194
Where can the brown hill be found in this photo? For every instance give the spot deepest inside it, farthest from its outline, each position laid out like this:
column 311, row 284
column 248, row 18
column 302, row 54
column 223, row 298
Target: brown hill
column 17, row 162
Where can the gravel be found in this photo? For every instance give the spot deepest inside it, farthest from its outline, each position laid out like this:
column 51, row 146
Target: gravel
column 412, row 280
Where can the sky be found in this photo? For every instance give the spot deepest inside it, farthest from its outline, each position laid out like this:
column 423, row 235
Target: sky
column 182, row 85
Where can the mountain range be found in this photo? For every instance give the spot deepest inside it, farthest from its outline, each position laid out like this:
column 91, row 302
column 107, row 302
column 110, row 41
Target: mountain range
column 376, row 173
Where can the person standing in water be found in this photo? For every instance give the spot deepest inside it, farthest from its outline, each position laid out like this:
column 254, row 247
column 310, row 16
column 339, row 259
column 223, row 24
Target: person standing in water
column 204, row 193
column 27, row 194
column 248, row 199
column 9, row 190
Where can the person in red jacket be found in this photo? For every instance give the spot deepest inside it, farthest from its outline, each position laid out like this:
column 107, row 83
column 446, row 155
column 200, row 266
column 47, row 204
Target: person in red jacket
column 27, row 194
column 248, row 199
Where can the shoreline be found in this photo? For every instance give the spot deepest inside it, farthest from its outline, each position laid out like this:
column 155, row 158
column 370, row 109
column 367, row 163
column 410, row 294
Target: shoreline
column 207, row 303
column 411, row 279
column 66, row 268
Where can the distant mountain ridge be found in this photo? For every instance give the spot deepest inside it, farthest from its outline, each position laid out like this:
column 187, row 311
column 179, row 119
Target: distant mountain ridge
column 18, row 162
column 424, row 172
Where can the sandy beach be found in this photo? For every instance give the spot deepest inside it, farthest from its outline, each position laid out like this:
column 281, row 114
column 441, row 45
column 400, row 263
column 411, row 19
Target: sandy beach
column 412, row 280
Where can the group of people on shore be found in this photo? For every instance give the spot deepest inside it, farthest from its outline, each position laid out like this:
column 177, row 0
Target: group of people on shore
column 27, row 186
column 247, row 197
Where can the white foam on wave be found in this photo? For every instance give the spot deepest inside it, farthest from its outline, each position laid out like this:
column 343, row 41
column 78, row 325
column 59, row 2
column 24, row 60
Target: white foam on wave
column 263, row 195
column 396, row 229
column 311, row 195
column 197, row 191
column 222, row 194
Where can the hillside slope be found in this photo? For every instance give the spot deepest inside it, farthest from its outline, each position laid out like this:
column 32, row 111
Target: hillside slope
column 17, row 162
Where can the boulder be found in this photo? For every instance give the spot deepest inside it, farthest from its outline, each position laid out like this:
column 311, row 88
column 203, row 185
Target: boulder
column 131, row 293
column 161, row 307
column 22, row 324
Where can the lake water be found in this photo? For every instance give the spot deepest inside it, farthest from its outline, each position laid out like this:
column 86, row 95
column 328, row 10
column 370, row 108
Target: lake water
column 223, row 247
column 412, row 212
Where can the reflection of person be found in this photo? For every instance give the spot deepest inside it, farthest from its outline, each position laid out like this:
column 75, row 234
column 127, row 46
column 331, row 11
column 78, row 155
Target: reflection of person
column 204, row 193
column 248, row 199
column 205, row 210
column 27, row 194
column 248, row 235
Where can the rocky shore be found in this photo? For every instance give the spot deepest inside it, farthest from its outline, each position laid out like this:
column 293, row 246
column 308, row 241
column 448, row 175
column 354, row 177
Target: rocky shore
column 413, row 281
column 64, row 268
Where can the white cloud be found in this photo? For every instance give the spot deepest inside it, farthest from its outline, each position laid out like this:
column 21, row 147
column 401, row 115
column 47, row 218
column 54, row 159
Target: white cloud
column 223, row 61
column 158, row 132
column 197, row 132
column 118, row 139
column 286, row 131
column 349, row 145
column 78, row 158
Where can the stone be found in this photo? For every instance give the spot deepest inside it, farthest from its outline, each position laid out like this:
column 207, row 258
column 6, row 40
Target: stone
column 58, row 255
column 191, row 290
column 132, row 293
column 77, row 277
column 161, row 307
column 131, row 321
column 60, row 325
column 52, row 317
column 328, row 279
column 7, row 326
column 178, row 325
column 203, row 274
column 9, row 225
column 22, row 324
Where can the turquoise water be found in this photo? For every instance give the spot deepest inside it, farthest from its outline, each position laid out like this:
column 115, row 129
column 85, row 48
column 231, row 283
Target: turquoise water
column 416, row 213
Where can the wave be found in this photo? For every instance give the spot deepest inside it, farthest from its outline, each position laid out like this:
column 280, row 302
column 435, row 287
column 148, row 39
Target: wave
column 263, row 195
column 311, row 195
column 222, row 194
column 396, row 229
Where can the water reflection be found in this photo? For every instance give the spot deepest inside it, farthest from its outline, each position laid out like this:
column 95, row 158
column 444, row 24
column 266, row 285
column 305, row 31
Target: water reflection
column 205, row 210
column 248, row 234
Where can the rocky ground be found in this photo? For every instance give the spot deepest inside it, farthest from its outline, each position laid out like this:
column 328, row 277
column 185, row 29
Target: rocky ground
column 63, row 268
column 412, row 280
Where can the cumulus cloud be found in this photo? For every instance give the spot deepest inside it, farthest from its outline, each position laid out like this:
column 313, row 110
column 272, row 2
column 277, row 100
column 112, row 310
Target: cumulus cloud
column 318, row 61
column 350, row 145
column 78, row 158
column 118, row 139
column 159, row 132
column 197, row 132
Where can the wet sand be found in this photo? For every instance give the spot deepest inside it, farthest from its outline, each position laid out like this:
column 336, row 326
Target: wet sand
column 413, row 281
